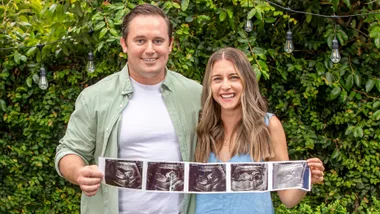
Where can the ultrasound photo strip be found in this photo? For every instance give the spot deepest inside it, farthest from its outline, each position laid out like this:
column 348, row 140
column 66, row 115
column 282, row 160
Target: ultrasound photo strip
column 205, row 178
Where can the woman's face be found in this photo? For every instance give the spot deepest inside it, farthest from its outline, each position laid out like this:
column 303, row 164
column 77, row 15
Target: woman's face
column 226, row 85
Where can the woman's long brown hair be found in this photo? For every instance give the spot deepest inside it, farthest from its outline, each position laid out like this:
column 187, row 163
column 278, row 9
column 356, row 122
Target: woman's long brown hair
column 250, row 135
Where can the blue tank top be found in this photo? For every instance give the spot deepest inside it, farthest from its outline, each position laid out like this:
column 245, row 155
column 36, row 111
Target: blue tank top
column 235, row 203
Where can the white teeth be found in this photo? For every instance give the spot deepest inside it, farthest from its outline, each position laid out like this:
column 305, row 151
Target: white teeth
column 226, row 96
column 149, row 60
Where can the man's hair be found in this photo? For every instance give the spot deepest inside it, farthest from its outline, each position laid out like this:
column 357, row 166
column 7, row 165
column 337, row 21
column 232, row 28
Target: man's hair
column 250, row 135
column 144, row 10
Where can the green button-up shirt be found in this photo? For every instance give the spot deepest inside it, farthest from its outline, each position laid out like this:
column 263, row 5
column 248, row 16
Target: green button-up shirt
column 94, row 127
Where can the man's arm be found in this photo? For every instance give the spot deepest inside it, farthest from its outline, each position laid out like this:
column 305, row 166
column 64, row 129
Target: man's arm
column 88, row 178
column 75, row 151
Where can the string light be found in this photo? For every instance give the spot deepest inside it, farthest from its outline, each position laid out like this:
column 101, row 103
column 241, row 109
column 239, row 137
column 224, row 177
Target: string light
column 90, row 66
column 289, row 47
column 335, row 55
column 248, row 24
column 42, row 82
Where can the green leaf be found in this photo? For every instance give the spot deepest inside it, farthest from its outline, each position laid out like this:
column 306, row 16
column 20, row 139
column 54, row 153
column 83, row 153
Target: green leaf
column 308, row 16
column 378, row 84
column 358, row 132
column 376, row 104
column 99, row 25
column 29, row 81
column 375, row 32
column 102, row 33
column 369, row 85
column 114, row 32
column 17, row 57
column 263, row 65
column 24, row 24
column 376, row 115
column 349, row 82
column 335, row 154
column 222, row 16
column 65, row 49
column 340, row 38
column 251, row 13
column 357, row 80
column 230, row 13
column 258, row 50
column 298, row 67
column 259, row 15
column 3, row 105
column 31, row 51
column 343, row 96
column 349, row 130
column 347, row 2
column 184, row 4
column 35, row 78
column 257, row 71
column 377, row 42
column 189, row 19
column 110, row 23
column 335, row 4
column 330, row 78
column 53, row 7
column 270, row 20
column 353, row 23
column 335, row 92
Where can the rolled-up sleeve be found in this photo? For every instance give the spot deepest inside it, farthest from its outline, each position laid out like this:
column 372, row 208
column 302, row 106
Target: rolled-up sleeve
column 80, row 135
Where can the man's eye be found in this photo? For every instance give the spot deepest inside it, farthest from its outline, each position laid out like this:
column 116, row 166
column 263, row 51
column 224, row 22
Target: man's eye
column 140, row 41
column 158, row 41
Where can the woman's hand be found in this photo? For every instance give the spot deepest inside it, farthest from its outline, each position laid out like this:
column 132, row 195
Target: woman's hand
column 317, row 168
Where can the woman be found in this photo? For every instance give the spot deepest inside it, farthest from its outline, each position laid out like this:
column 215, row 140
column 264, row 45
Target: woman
column 235, row 127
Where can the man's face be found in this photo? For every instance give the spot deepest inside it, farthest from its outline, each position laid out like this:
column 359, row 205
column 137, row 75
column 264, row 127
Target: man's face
column 148, row 47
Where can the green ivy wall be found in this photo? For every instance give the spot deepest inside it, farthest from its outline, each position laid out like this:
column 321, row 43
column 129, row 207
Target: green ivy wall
column 331, row 111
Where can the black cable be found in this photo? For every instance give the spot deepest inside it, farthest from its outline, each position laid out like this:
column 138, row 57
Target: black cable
column 320, row 15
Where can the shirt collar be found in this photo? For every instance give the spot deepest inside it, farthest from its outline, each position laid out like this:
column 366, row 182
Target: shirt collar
column 126, row 85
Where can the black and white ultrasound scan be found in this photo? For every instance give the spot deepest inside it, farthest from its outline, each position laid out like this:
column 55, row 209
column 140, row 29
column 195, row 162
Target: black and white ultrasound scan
column 123, row 173
column 289, row 175
column 165, row 176
column 249, row 177
column 207, row 177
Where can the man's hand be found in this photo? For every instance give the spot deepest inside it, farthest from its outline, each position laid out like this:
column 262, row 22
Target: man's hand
column 88, row 179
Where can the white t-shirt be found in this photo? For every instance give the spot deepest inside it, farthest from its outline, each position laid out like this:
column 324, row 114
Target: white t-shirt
column 147, row 133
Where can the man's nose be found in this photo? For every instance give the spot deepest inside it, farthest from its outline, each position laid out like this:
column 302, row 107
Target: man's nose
column 150, row 48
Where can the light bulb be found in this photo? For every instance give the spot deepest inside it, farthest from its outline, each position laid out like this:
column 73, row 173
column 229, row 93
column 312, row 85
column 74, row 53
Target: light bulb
column 90, row 67
column 43, row 82
column 335, row 55
column 248, row 26
column 289, row 47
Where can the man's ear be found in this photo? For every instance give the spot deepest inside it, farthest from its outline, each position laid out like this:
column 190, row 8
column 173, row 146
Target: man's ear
column 123, row 44
column 171, row 44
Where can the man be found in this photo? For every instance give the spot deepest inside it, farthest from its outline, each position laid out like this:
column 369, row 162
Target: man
column 143, row 112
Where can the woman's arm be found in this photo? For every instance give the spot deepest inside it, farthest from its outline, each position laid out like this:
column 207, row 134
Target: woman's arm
column 291, row 197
